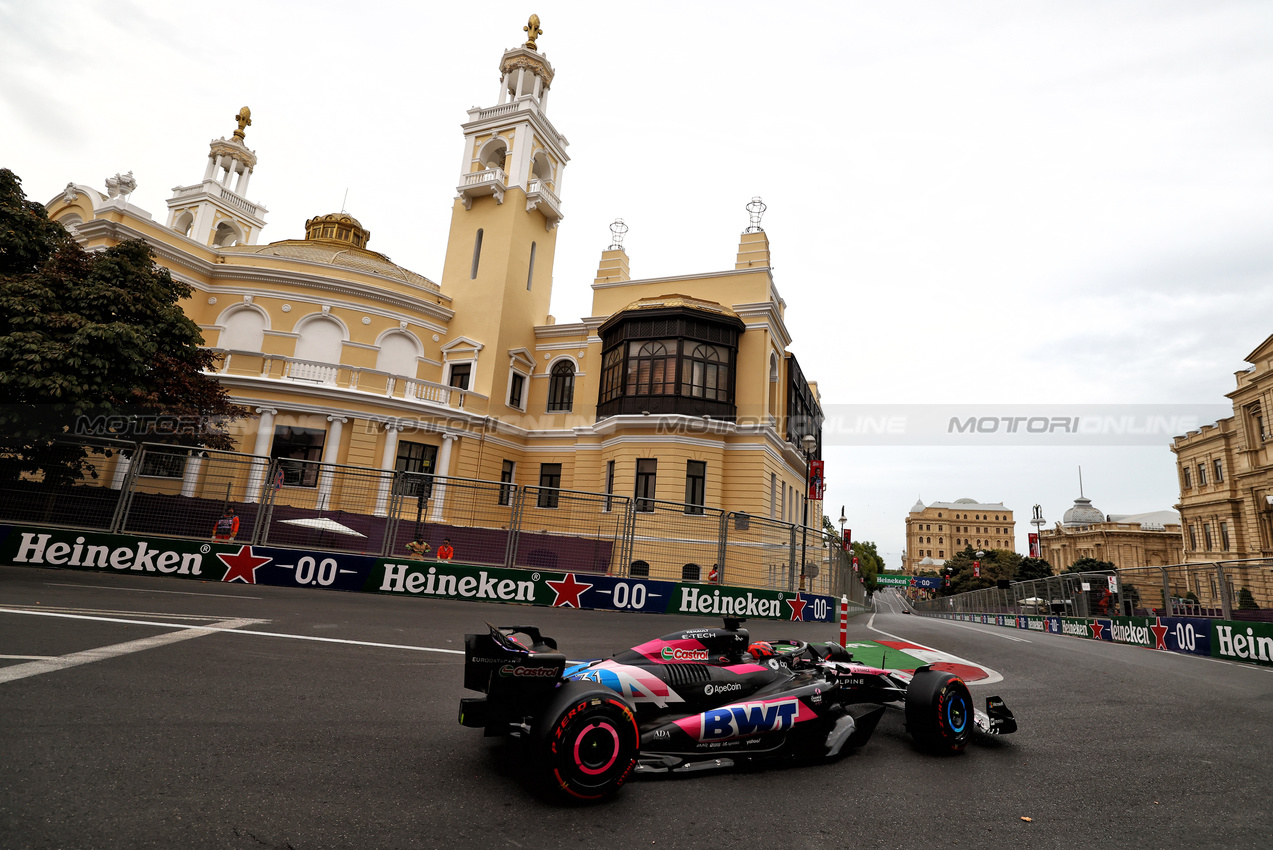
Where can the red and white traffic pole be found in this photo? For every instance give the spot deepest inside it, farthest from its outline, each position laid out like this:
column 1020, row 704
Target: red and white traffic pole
column 844, row 621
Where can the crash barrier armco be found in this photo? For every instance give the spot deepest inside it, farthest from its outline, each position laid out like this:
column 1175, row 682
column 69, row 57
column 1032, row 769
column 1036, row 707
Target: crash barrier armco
column 248, row 563
column 1233, row 640
column 157, row 490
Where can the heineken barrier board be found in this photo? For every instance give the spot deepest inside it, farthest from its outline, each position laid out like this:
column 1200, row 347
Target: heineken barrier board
column 1228, row 639
column 930, row 582
column 278, row 567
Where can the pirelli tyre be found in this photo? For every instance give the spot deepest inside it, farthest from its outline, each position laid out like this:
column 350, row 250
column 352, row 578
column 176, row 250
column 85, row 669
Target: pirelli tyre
column 939, row 712
column 586, row 743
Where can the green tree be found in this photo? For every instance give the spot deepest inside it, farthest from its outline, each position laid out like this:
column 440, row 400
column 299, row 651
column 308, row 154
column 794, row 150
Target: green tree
column 870, row 564
column 996, row 564
column 1032, row 568
column 1090, row 565
column 91, row 334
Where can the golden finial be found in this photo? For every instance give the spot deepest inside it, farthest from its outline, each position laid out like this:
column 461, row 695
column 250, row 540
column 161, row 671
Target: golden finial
column 533, row 31
column 245, row 120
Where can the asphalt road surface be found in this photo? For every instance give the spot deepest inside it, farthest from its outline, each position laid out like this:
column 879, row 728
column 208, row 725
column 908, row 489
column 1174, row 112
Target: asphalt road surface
column 312, row 719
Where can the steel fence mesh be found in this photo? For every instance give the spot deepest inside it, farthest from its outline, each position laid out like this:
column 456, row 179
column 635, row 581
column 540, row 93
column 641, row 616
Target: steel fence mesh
column 476, row 517
column 759, row 552
column 179, row 492
column 673, row 541
column 325, row 506
column 87, row 500
column 570, row 530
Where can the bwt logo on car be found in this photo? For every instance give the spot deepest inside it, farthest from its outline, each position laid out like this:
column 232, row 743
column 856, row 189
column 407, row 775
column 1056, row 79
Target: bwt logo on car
column 748, row 718
column 677, row 654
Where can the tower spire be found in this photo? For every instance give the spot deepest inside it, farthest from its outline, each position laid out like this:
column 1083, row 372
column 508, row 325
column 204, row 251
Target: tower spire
column 533, row 32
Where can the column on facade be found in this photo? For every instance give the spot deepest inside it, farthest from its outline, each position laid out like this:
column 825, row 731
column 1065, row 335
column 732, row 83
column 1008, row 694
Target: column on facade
column 261, row 450
column 241, row 188
column 521, row 77
column 122, row 465
column 331, row 450
column 211, row 169
column 388, row 459
column 190, row 480
column 443, row 470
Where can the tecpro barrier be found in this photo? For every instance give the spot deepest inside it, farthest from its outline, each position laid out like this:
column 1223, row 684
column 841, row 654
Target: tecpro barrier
column 1227, row 639
column 284, row 567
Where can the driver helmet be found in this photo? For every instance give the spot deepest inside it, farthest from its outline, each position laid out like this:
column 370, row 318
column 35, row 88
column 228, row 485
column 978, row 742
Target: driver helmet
column 761, row 649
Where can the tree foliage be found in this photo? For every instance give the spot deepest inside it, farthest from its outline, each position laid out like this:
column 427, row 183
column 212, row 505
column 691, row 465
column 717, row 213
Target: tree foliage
column 870, row 564
column 1090, row 565
column 90, row 335
column 1032, row 568
column 996, row 564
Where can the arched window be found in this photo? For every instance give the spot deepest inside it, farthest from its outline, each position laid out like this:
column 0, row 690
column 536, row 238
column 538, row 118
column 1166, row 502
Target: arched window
column 705, row 373
column 244, row 330
column 320, row 341
column 639, row 569
column 227, row 234
column 652, row 367
column 690, row 572
column 398, row 353
column 561, row 387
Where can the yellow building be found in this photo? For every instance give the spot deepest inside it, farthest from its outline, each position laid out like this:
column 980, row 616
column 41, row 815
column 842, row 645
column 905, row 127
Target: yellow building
column 1126, row 540
column 1226, row 472
column 937, row 531
column 677, row 389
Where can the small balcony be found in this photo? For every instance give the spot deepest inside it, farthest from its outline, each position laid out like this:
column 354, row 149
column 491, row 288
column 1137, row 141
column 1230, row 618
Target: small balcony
column 492, row 181
column 352, row 379
column 540, row 197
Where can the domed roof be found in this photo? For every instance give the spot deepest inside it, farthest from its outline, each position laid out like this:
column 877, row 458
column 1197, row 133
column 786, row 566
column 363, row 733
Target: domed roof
column 967, row 501
column 919, row 506
column 341, row 227
column 676, row 300
column 1082, row 513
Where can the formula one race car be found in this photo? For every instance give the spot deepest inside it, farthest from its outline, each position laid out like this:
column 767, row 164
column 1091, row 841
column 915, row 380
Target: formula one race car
column 699, row 698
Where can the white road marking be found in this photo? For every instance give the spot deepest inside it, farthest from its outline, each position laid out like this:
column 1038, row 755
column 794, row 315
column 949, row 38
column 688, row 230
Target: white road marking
column 88, row 656
column 144, row 590
column 216, row 627
column 26, row 657
column 65, row 610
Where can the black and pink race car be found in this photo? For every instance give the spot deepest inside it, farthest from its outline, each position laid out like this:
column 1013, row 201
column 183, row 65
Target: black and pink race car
column 699, row 699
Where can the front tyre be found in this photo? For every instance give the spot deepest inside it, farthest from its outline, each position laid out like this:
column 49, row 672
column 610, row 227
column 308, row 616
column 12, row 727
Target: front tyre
column 587, row 743
column 939, row 712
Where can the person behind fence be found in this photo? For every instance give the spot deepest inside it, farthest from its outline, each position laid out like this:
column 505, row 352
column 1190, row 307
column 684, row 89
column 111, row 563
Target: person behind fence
column 445, row 552
column 418, row 548
column 226, row 527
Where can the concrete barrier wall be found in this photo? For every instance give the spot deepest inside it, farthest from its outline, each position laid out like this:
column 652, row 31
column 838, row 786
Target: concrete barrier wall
column 283, row 567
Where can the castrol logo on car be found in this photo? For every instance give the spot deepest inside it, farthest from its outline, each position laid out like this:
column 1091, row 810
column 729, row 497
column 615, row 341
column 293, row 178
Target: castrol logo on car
column 671, row 653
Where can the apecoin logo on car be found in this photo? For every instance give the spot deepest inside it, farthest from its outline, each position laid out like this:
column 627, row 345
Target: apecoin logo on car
column 522, row 672
column 676, row 654
column 723, row 688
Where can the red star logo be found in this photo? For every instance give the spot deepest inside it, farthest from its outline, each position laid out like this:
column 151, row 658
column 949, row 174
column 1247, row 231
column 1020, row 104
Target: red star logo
column 242, row 565
column 1160, row 633
column 568, row 591
column 797, row 607
column 1097, row 628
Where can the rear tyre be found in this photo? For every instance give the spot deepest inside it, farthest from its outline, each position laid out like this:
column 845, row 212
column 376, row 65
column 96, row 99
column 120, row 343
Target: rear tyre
column 939, row 712
column 587, row 744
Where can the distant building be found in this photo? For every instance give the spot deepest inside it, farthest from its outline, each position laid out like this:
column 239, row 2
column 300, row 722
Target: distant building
column 1226, row 472
column 1125, row 540
column 937, row 531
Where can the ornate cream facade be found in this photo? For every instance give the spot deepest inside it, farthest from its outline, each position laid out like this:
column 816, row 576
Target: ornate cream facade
column 937, row 531
column 1226, row 472
column 675, row 388
column 1125, row 540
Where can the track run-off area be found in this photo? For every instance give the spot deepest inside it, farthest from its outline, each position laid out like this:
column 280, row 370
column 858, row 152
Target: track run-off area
column 144, row 711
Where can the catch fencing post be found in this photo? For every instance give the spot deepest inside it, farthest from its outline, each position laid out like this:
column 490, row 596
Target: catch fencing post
column 844, row 621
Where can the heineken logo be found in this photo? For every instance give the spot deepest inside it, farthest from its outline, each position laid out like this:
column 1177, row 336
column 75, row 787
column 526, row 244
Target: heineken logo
column 143, row 557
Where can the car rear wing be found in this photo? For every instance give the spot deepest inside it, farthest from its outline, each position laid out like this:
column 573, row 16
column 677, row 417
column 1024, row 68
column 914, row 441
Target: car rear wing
column 499, row 664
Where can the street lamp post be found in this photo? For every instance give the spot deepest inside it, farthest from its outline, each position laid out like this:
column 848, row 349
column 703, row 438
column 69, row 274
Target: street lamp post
column 846, row 552
column 810, row 444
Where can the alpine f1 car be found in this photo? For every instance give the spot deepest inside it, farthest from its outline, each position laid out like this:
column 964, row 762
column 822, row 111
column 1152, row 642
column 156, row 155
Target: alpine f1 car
column 696, row 699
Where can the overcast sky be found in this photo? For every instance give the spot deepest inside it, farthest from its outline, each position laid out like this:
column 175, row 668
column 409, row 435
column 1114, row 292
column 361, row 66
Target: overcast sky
column 974, row 203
